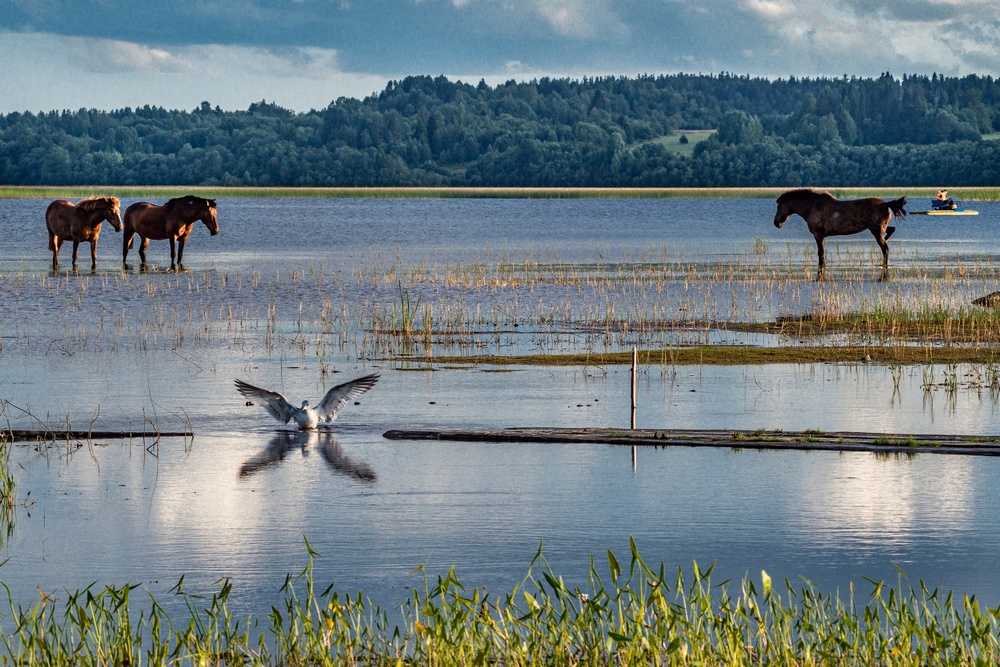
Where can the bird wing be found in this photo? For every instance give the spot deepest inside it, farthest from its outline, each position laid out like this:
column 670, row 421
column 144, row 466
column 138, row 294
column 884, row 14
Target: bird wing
column 273, row 402
column 337, row 397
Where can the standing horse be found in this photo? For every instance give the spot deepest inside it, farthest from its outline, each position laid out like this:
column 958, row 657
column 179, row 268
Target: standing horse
column 827, row 216
column 79, row 223
column 172, row 221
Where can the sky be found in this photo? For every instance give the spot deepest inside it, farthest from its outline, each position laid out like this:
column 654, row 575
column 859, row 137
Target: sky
column 304, row 54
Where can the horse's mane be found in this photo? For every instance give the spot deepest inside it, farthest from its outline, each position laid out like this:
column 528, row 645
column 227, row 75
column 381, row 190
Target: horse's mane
column 95, row 203
column 802, row 193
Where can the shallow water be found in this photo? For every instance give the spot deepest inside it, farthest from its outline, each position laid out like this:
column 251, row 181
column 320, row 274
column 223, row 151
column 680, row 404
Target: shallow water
column 158, row 348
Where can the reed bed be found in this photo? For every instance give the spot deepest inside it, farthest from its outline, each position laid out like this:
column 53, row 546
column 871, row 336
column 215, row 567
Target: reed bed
column 131, row 191
column 632, row 615
column 515, row 304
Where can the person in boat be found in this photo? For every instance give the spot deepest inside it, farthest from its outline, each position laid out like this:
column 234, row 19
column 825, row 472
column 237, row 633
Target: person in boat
column 943, row 201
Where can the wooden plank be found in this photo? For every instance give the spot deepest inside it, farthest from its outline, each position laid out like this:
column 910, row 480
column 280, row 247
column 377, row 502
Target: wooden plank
column 888, row 443
column 33, row 435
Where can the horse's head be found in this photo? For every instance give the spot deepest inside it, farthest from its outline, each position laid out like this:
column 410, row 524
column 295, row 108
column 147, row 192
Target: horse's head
column 782, row 214
column 794, row 201
column 114, row 213
column 208, row 216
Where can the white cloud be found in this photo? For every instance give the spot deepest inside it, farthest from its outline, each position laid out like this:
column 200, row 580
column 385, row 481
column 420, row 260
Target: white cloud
column 576, row 19
column 771, row 9
column 515, row 67
column 120, row 74
column 863, row 37
column 109, row 55
column 116, row 56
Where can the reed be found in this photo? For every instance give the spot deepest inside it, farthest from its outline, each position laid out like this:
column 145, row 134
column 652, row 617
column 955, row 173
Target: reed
column 8, row 490
column 631, row 615
column 522, row 306
column 131, row 192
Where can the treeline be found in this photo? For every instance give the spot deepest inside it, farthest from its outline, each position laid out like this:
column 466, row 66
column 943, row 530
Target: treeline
column 425, row 131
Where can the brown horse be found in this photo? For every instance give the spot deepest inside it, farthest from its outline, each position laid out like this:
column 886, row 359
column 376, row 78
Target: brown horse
column 827, row 216
column 172, row 221
column 79, row 223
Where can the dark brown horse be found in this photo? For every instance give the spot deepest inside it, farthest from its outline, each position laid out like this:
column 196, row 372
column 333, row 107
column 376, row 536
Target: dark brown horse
column 172, row 221
column 80, row 223
column 827, row 216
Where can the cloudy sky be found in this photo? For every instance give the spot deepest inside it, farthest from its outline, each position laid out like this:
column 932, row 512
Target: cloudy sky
column 302, row 54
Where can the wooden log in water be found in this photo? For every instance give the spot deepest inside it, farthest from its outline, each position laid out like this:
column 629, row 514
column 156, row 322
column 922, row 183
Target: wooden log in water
column 840, row 441
column 42, row 435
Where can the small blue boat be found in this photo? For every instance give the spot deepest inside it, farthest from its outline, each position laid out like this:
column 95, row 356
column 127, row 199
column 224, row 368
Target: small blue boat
column 951, row 206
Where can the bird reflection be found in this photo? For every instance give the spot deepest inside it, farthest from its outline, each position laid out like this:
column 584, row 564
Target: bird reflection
column 285, row 443
column 341, row 463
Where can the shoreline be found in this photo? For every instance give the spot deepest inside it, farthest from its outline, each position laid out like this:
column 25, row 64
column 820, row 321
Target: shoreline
column 131, row 191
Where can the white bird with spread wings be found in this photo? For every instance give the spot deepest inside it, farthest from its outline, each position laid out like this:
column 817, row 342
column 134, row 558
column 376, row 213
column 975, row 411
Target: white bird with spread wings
column 306, row 417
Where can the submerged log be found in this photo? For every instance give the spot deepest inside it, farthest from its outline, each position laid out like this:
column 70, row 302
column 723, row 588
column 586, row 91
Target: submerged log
column 43, row 435
column 840, row 441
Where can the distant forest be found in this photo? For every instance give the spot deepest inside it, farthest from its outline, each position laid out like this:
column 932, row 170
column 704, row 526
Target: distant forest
column 595, row 132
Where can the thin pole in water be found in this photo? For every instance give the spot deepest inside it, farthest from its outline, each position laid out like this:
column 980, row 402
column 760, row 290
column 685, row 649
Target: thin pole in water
column 635, row 372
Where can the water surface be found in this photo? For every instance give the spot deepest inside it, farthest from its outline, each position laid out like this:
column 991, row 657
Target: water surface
column 287, row 290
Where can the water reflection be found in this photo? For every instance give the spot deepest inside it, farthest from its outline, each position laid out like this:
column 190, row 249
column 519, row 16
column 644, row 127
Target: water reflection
column 285, row 443
column 855, row 501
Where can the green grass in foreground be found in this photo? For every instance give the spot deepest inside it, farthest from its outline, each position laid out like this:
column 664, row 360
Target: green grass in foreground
column 738, row 355
column 633, row 616
column 163, row 192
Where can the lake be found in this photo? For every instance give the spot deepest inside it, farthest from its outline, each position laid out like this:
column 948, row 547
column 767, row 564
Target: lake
column 298, row 295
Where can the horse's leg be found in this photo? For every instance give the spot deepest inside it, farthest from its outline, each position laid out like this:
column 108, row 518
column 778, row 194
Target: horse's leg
column 93, row 255
column 127, row 243
column 54, row 247
column 172, row 248
column 180, row 252
column 819, row 250
column 76, row 248
column 143, row 242
column 884, row 247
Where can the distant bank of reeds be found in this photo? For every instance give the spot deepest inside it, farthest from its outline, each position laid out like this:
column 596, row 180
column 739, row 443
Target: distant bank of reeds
column 628, row 616
column 135, row 191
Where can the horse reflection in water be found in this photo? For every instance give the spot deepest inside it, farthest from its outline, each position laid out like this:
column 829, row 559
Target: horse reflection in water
column 285, row 443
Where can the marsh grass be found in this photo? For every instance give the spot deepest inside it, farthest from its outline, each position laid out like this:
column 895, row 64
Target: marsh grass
column 631, row 615
column 128, row 191
column 523, row 305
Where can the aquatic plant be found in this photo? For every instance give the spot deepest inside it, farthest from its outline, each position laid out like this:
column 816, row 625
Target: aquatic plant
column 8, row 489
column 634, row 615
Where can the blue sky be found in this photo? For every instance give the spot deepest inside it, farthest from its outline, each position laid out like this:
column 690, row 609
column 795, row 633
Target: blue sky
column 302, row 54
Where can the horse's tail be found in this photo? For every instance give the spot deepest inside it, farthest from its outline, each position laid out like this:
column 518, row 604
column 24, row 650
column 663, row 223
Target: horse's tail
column 897, row 207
